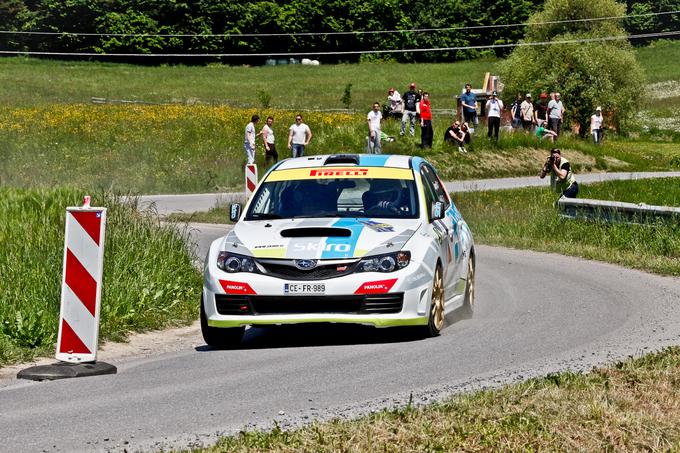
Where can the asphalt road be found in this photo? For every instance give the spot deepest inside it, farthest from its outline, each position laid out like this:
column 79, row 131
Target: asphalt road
column 536, row 313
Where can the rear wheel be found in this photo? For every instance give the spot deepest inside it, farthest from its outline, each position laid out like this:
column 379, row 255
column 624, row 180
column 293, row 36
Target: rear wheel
column 469, row 301
column 220, row 338
column 436, row 319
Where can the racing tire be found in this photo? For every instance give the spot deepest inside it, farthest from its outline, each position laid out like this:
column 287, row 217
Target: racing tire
column 469, row 301
column 436, row 320
column 217, row 337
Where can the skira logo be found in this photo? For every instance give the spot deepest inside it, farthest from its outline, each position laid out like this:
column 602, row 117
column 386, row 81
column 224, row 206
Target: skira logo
column 316, row 246
column 330, row 172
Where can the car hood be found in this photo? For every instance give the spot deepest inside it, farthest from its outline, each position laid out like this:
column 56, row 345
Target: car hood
column 319, row 238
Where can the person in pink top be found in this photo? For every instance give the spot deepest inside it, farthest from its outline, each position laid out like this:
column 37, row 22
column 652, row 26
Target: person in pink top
column 426, row 132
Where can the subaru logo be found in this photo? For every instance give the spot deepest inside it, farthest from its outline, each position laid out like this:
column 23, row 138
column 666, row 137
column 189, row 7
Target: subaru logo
column 305, row 265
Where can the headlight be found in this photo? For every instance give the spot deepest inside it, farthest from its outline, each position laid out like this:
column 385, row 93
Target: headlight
column 230, row 262
column 389, row 262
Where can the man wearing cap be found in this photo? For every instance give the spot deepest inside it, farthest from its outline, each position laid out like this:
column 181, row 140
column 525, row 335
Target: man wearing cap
column 526, row 110
column 394, row 98
column 555, row 114
column 596, row 125
column 410, row 101
column 494, row 109
column 469, row 102
column 562, row 179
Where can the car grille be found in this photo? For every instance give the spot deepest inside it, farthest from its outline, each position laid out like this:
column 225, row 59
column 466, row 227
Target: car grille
column 320, row 272
column 228, row 304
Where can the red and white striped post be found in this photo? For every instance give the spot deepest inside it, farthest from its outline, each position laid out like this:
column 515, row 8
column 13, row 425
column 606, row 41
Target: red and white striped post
column 251, row 179
column 81, row 284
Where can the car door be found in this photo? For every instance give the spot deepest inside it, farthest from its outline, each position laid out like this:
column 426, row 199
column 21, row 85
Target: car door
column 443, row 230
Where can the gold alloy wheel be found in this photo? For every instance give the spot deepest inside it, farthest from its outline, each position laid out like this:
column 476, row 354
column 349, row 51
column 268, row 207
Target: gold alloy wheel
column 470, row 296
column 438, row 300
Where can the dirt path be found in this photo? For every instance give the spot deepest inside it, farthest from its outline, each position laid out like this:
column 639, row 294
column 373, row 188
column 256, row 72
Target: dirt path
column 139, row 345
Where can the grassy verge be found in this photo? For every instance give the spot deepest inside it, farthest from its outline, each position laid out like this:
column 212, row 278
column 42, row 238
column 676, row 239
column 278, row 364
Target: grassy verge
column 149, row 279
column 630, row 406
column 526, row 219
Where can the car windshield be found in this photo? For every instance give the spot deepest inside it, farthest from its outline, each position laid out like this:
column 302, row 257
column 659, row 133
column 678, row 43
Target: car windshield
column 335, row 197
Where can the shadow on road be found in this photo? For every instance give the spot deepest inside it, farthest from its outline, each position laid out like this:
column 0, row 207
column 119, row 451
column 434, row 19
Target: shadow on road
column 326, row 334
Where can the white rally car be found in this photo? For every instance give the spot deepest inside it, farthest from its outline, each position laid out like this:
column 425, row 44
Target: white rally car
column 362, row 239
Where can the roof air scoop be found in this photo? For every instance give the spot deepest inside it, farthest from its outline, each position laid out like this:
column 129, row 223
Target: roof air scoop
column 342, row 159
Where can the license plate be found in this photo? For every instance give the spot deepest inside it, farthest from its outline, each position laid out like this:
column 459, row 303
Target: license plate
column 304, row 288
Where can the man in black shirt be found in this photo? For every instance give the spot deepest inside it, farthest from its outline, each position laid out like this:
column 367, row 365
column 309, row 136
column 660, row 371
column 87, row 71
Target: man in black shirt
column 410, row 100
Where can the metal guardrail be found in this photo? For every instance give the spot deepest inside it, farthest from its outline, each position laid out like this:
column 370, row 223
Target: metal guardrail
column 615, row 211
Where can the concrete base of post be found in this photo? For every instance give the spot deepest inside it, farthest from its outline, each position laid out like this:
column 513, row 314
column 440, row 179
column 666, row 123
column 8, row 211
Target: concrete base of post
column 65, row 370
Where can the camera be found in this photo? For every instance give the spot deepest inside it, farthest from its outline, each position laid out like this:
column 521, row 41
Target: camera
column 551, row 160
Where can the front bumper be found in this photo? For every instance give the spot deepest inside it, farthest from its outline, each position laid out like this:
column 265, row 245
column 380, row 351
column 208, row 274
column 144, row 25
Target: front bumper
column 349, row 299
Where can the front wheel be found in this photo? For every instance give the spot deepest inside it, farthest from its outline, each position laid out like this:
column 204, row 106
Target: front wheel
column 435, row 322
column 220, row 338
column 469, row 301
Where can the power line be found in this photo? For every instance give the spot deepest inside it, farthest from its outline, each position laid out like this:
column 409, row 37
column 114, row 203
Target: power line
column 345, row 52
column 333, row 33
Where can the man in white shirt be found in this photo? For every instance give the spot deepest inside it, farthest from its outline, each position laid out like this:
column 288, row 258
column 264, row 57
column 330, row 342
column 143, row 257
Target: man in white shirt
column 249, row 139
column 596, row 125
column 299, row 136
column 494, row 109
column 555, row 114
column 373, row 118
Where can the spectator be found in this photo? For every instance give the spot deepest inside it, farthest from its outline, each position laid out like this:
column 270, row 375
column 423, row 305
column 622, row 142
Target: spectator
column 299, row 136
column 467, row 137
column 455, row 136
column 469, row 102
column 541, row 110
column 527, row 112
column 426, row 131
column 515, row 109
column 249, row 139
column 374, row 130
column 596, row 125
column 494, row 108
column 410, row 102
column 268, row 139
column 420, row 97
column 542, row 132
column 555, row 114
column 396, row 105
column 562, row 178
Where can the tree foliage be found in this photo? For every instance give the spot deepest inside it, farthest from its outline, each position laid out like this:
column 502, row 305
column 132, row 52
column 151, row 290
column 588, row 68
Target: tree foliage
column 230, row 17
column 587, row 74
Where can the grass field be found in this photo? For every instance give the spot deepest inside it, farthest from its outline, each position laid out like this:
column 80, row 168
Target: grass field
column 50, row 133
column 176, row 149
column 149, row 278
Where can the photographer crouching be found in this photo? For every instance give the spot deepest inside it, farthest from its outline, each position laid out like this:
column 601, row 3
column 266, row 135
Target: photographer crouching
column 562, row 179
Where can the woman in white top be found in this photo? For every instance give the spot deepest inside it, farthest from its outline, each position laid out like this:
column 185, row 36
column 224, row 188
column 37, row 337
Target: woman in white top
column 596, row 126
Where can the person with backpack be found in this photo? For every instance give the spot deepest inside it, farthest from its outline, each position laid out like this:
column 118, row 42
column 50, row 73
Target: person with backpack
column 410, row 102
column 516, row 109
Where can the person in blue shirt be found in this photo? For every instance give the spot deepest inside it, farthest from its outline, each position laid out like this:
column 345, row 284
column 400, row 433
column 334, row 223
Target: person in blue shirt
column 469, row 102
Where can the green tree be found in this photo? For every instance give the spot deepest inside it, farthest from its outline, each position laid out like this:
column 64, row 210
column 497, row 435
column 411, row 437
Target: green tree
column 587, row 74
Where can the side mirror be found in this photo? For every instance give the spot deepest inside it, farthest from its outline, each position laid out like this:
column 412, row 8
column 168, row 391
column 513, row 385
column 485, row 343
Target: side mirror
column 235, row 212
column 437, row 211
